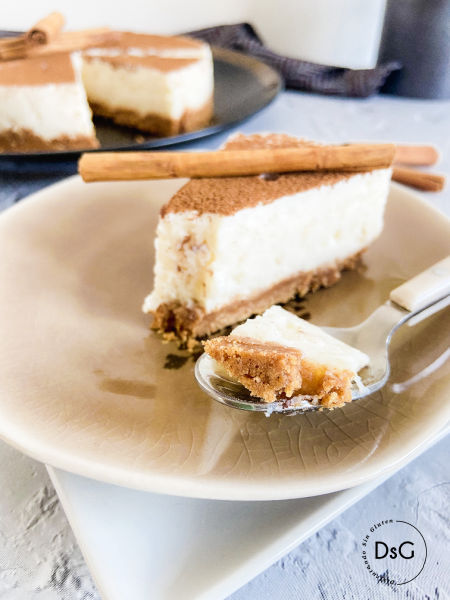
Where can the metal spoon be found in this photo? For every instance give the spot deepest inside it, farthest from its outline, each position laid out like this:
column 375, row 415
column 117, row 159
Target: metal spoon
column 422, row 295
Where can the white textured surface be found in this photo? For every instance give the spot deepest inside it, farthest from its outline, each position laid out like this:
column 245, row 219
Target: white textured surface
column 328, row 565
column 39, row 558
column 193, row 558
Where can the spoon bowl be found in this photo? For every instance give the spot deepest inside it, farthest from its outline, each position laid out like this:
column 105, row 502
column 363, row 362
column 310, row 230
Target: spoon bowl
column 420, row 297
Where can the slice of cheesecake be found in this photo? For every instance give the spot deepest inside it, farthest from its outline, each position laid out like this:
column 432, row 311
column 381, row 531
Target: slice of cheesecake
column 230, row 247
column 43, row 105
column 278, row 356
column 159, row 84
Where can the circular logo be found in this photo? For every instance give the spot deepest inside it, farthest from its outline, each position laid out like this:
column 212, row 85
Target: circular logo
column 394, row 552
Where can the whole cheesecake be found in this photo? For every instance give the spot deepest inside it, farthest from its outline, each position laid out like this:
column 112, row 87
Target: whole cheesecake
column 162, row 85
column 230, row 247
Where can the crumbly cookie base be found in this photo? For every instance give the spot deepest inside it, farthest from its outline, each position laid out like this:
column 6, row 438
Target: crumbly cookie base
column 176, row 320
column 156, row 124
column 273, row 372
column 24, row 140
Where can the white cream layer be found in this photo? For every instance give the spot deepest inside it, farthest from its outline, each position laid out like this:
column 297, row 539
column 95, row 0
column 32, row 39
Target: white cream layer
column 213, row 260
column 281, row 327
column 49, row 111
column 145, row 90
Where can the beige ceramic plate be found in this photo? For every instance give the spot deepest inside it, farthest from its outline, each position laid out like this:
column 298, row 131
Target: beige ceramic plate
column 84, row 386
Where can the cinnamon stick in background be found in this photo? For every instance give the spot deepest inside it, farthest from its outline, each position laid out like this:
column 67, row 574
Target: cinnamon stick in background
column 46, row 29
column 415, row 155
column 70, row 41
column 12, row 48
column 41, row 34
column 428, row 182
column 12, row 42
column 125, row 166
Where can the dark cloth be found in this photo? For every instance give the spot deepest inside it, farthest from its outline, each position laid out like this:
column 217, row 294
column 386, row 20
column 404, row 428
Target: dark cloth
column 299, row 74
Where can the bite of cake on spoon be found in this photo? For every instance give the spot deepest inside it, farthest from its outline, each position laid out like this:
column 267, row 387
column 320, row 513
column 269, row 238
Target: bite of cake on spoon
column 280, row 357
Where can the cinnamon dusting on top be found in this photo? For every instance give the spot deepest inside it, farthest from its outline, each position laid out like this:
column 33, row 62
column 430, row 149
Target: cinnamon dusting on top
column 228, row 195
column 53, row 68
column 145, row 41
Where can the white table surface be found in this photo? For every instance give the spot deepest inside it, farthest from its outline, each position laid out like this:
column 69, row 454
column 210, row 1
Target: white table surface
column 39, row 557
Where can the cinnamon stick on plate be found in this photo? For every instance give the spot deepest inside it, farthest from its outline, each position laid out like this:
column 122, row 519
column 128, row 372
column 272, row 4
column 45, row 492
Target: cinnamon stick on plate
column 428, row 182
column 415, row 155
column 46, row 29
column 125, row 166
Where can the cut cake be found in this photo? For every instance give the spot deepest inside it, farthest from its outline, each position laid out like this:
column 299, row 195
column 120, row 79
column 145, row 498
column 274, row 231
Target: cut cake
column 43, row 105
column 230, row 247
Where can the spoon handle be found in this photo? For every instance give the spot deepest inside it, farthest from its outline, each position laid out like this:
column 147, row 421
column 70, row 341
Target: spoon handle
column 425, row 288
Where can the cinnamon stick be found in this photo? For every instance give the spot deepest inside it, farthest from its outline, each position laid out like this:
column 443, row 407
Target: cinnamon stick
column 428, row 182
column 12, row 47
column 68, row 41
column 415, row 155
column 12, row 42
column 125, row 166
column 46, row 29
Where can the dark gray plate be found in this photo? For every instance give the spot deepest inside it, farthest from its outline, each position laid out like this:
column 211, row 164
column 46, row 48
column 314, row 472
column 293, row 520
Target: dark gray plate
column 243, row 86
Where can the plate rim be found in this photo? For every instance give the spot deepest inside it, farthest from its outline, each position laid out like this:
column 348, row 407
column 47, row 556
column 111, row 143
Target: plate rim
column 196, row 487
